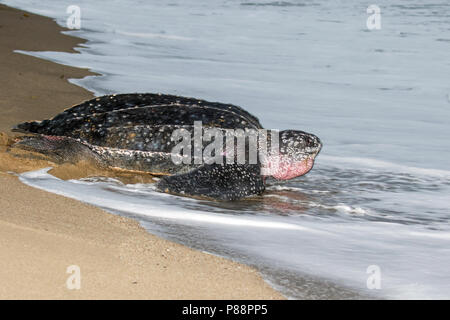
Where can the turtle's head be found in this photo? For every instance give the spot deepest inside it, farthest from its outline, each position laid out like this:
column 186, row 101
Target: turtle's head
column 297, row 150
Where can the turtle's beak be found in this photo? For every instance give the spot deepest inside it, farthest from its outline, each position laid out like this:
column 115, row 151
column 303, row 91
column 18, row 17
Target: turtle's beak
column 313, row 145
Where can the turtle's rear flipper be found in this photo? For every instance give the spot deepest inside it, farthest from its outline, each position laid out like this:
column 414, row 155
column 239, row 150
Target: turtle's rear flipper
column 220, row 182
column 59, row 149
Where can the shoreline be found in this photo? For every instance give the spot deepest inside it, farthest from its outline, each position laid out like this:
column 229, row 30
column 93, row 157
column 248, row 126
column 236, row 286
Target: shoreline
column 43, row 233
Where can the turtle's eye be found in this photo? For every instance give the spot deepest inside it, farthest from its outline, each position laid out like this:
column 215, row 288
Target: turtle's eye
column 312, row 142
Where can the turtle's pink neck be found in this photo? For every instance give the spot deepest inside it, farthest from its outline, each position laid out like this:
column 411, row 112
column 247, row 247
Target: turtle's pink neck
column 286, row 169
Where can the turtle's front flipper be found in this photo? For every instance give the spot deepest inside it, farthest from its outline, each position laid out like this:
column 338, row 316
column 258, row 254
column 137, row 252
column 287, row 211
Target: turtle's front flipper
column 220, row 182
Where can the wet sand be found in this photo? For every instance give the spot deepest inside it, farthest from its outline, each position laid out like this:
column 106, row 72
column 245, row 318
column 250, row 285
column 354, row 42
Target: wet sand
column 42, row 234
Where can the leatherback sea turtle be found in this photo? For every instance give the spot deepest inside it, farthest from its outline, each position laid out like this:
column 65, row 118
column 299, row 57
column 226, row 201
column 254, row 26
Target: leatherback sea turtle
column 135, row 132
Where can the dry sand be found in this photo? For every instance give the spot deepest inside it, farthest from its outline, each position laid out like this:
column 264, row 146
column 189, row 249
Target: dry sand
column 42, row 234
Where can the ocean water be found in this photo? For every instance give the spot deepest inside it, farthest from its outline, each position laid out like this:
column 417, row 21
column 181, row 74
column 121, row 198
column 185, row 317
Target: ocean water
column 378, row 99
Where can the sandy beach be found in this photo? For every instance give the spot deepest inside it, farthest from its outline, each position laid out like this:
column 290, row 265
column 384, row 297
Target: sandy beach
column 42, row 234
